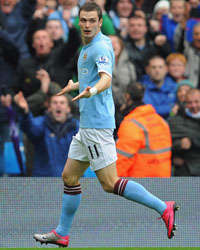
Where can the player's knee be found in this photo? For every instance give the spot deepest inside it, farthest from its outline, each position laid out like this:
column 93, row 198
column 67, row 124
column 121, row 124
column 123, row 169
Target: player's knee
column 108, row 188
column 70, row 180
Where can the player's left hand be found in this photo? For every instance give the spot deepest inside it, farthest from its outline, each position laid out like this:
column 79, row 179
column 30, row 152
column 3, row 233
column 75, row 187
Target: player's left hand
column 84, row 94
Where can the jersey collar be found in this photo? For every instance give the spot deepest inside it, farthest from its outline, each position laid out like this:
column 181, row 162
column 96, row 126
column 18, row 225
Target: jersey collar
column 95, row 39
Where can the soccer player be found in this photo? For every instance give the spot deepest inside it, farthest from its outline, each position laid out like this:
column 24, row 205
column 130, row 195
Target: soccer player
column 94, row 145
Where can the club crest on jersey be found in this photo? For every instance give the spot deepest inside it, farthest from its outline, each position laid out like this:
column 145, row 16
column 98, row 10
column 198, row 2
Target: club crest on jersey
column 85, row 56
column 84, row 71
column 103, row 60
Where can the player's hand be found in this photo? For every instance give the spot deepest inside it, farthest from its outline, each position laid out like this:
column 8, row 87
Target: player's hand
column 84, row 94
column 67, row 88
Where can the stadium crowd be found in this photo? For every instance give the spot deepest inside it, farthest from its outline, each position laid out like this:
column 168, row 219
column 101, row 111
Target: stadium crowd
column 156, row 85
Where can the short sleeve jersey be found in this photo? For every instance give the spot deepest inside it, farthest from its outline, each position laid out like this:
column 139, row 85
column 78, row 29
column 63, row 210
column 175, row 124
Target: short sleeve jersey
column 95, row 57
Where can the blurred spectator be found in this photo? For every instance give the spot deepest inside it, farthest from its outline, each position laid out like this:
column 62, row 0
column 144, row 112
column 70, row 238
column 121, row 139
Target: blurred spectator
column 53, row 26
column 9, row 56
column 140, row 47
column 37, row 75
column 107, row 27
column 161, row 8
column 51, row 5
column 123, row 74
column 144, row 139
column 50, row 134
column 55, row 29
column 192, row 18
column 192, row 53
column 15, row 17
column 12, row 147
column 182, row 88
column 43, row 10
column 40, row 4
column 145, row 5
column 33, row 71
column 9, row 59
column 160, row 89
column 185, row 29
column 176, row 63
column 119, row 13
column 186, row 137
column 170, row 22
column 66, row 13
column 194, row 3
column 154, row 26
column 124, row 70
column 43, row 74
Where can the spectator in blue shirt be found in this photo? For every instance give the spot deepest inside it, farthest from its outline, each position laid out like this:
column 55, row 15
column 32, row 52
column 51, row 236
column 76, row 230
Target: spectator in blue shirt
column 169, row 23
column 160, row 89
column 50, row 134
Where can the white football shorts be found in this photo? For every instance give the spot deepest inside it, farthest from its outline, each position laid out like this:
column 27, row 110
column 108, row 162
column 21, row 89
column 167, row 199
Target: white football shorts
column 96, row 146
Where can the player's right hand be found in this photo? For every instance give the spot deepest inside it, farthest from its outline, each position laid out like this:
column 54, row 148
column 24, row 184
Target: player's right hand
column 67, row 88
column 84, row 94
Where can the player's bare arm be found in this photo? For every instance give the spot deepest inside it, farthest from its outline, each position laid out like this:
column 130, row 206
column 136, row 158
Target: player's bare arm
column 103, row 84
column 69, row 87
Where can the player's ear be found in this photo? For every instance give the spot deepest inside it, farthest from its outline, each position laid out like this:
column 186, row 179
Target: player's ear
column 101, row 21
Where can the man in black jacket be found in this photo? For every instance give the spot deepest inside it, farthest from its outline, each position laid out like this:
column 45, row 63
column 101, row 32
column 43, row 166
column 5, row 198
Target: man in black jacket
column 15, row 17
column 9, row 55
column 140, row 47
column 186, row 137
column 55, row 65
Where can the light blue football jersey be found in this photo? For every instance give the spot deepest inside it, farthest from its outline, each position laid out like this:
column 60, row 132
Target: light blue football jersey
column 95, row 57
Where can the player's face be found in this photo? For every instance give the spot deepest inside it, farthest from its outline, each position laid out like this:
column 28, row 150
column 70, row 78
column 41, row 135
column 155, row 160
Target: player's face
column 59, row 108
column 90, row 24
column 193, row 102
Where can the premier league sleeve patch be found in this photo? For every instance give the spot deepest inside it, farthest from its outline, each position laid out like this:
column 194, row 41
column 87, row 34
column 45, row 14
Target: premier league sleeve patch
column 104, row 64
column 103, row 60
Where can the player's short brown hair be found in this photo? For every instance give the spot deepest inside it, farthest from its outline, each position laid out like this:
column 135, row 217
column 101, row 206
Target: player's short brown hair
column 91, row 6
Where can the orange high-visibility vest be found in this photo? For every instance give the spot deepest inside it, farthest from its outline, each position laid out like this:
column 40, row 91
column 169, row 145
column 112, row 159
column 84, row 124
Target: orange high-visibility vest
column 144, row 144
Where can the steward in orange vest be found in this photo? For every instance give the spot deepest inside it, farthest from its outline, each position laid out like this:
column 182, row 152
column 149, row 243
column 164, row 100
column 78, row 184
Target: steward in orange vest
column 144, row 141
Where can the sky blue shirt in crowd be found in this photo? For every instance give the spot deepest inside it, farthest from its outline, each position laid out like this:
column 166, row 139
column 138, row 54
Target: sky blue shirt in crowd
column 95, row 57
